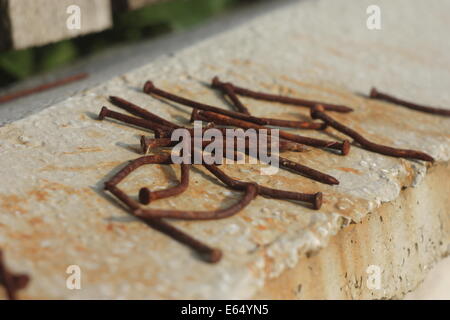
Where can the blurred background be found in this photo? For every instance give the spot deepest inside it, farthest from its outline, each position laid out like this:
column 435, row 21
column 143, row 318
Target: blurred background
column 151, row 20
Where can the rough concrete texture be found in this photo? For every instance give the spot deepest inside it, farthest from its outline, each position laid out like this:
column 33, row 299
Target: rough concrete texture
column 40, row 22
column 402, row 239
column 436, row 284
column 53, row 164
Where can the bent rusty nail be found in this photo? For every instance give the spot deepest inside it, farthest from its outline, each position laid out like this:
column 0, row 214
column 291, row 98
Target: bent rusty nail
column 318, row 113
column 228, row 90
column 211, row 255
column 146, row 196
column 251, row 191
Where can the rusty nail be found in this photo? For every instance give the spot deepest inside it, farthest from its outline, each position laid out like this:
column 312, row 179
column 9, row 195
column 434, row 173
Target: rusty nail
column 295, row 124
column 251, row 191
column 141, row 112
column 162, row 158
column 44, row 87
column 307, row 171
column 211, row 255
column 228, row 89
column 142, row 123
column 146, row 196
column 375, row 94
column 318, row 112
column 314, row 199
column 284, row 99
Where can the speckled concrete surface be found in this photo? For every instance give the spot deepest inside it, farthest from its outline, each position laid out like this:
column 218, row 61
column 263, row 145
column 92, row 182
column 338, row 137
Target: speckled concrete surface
column 401, row 240
column 53, row 164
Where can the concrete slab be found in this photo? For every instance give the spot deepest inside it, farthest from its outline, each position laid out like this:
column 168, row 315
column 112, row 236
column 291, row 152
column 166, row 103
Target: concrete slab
column 53, row 163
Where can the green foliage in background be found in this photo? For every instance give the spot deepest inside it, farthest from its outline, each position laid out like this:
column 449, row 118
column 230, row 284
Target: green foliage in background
column 130, row 26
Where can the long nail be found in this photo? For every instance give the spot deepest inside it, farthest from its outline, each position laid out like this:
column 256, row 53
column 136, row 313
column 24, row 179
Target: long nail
column 147, row 144
column 138, row 122
column 344, row 147
column 146, row 196
column 151, row 143
column 307, row 171
column 43, row 87
column 228, row 89
column 375, row 94
column 149, row 88
column 211, row 255
column 140, row 112
column 314, row 199
column 285, row 100
column 318, row 113
column 251, row 191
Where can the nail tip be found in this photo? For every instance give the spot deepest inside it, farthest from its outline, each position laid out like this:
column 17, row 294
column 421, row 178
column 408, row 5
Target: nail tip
column 333, row 181
column 348, row 109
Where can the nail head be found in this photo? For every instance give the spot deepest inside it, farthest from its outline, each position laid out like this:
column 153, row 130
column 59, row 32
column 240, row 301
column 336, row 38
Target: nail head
column 145, row 195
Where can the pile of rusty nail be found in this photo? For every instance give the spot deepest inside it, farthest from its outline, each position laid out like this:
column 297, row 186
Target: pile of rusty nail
column 11, row 282
column 241, row 118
